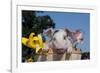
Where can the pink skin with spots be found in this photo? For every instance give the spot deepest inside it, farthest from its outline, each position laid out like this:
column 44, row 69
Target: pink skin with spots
column 59, row 39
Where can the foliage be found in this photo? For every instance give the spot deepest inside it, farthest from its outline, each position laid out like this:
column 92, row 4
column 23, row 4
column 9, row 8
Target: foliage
column 31, row 22
column 85, row 55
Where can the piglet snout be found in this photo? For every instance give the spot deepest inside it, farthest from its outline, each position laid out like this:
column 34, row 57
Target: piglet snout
column 60, row 51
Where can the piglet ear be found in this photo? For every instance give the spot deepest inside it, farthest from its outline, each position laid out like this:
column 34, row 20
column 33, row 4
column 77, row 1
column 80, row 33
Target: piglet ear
column 68, row 31
column 78, row 32
column 48, row 32
column 79, row 35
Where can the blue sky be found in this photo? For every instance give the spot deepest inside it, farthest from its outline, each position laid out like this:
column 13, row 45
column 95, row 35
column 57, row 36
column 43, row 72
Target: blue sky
column 73, row 21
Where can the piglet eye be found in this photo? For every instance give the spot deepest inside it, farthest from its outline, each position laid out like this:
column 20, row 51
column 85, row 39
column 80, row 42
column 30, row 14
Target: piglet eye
column 65, row 37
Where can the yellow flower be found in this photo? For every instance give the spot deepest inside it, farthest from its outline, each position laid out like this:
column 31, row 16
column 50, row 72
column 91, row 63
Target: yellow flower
column 34, row 42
